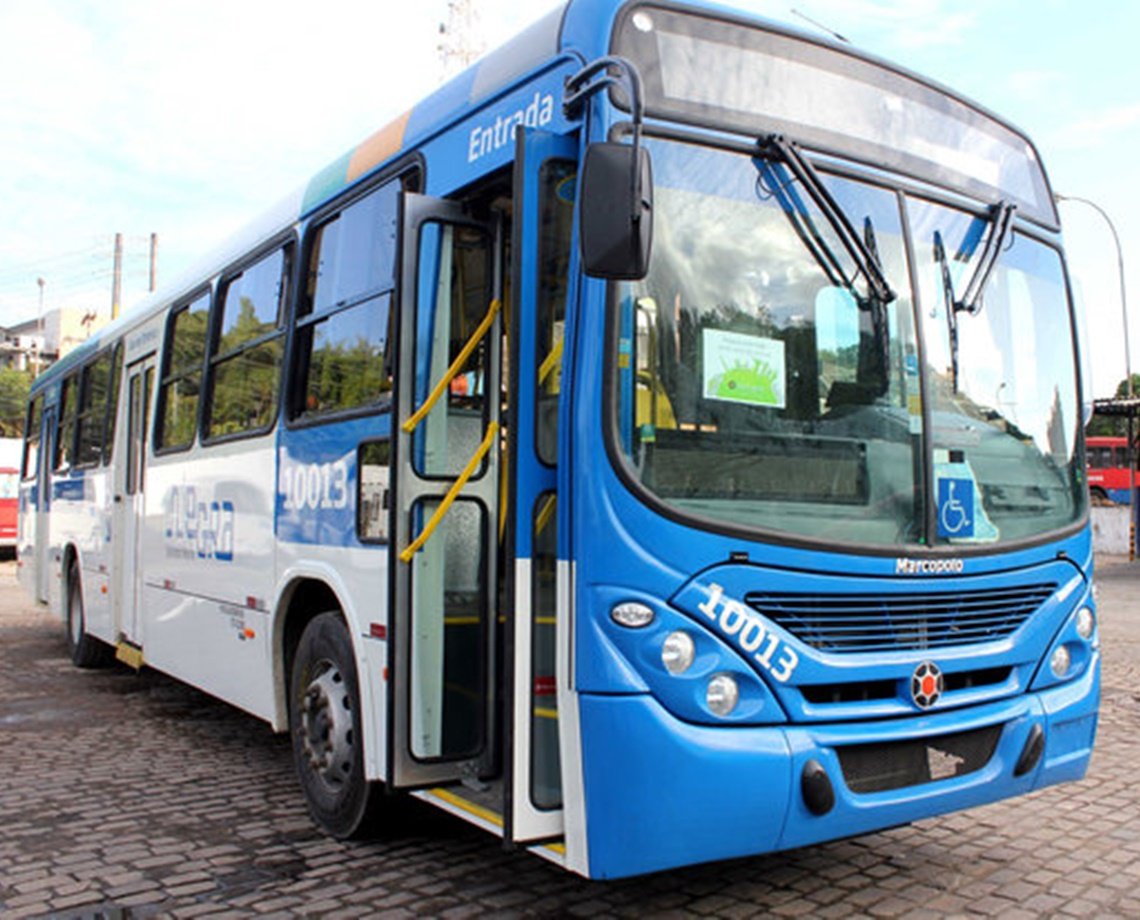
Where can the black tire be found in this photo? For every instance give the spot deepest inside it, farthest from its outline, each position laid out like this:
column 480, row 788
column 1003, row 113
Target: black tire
column 324, row 722
column 86, row 650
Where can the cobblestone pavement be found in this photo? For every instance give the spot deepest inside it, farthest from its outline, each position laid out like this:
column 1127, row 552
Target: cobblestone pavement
column 125, row 795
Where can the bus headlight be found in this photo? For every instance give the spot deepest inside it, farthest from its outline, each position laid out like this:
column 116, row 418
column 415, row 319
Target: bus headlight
column 1059, row 661
column 1086, row 623
column 722, row 694
column 677, row 652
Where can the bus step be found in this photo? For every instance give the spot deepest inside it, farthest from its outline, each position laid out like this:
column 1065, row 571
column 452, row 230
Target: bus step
column 129, row 654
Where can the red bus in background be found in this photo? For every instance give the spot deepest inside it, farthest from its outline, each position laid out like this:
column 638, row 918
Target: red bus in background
column 9, row 505
column 1108, row 468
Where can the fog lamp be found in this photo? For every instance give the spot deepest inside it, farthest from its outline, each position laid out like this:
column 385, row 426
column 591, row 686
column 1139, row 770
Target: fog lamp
column 677, row 652
column 722, row 694
column 1086, row 623
column 1059, row 662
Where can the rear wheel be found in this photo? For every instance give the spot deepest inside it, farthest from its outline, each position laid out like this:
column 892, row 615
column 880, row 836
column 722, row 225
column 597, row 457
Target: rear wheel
column 86, row 650
column 324, row 721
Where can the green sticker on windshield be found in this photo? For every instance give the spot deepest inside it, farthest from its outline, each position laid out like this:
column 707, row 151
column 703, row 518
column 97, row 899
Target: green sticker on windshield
column 743, row 368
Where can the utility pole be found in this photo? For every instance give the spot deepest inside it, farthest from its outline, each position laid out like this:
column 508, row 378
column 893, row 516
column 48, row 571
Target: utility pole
column 153, row 261
column 39, row 332
column 117, row 278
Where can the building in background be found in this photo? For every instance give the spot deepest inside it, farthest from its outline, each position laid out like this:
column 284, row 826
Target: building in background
column 35, row 344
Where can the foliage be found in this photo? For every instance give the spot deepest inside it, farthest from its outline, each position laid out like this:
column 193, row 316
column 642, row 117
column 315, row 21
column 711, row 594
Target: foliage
column 14, row 386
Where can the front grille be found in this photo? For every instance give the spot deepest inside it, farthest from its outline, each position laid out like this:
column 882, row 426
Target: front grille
column 898, row 764
column 894, row 622
column 868, row 691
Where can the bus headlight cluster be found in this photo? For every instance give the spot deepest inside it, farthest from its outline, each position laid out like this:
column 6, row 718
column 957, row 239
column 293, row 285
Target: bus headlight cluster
column 722, row 695
column 678, row 652
column 1059, row 661
column 1086, row 623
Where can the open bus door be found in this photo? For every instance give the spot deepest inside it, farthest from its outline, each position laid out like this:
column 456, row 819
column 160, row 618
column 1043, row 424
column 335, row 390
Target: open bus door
column 544, row 182
column 130, row 502
column 45, row 571
column 446, row 486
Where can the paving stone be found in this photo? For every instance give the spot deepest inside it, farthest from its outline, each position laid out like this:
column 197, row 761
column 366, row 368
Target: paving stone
column 164, row 802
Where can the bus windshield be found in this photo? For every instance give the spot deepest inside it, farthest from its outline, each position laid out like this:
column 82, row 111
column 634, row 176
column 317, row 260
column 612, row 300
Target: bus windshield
column 757, row 387
column 754, row 390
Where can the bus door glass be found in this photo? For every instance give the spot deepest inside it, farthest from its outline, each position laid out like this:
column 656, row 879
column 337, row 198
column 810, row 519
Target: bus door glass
column 446, row 498
column 43, row 505
column 130, row 503
column 545, row 178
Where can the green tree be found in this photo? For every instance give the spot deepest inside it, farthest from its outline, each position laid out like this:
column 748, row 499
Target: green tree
column 14, row 387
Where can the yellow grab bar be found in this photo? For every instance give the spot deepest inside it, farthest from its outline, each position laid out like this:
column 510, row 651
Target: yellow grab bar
column 456, row 366
column 550, row 362
column 472, row 464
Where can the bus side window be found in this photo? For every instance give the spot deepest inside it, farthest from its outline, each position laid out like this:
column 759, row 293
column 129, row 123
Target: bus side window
column 91, row 420
column 32, row 438
column 183, row 357
column 112, row 403
column 246, row 348
column 65, row 431
column 341, row 356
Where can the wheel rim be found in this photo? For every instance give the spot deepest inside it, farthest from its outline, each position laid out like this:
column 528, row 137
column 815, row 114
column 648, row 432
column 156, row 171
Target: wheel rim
column 326, row 726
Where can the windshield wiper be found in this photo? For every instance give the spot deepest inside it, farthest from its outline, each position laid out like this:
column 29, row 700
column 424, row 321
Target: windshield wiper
column 971, row 303
column 1000, row 225
column 865, row 259
column 950, row 304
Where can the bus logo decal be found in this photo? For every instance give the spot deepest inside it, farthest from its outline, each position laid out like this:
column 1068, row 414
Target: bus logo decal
column 904, row 566
column 927, row 685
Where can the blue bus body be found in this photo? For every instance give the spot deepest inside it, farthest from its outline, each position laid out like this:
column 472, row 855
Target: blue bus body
column 852, row 657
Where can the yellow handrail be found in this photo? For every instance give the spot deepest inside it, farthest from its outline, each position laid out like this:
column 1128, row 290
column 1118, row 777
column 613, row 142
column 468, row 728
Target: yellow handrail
column 456, row 366
column 550, row 362
column 472, row 464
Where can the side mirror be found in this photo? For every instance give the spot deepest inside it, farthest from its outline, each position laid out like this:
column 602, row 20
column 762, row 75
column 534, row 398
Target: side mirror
column 616, row 226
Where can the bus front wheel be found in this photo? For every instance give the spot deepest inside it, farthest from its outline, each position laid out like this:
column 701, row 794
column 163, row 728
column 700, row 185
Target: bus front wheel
column 325, row 724
column 86, row 651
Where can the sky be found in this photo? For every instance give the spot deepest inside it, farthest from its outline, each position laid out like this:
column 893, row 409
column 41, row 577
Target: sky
column 188, row 118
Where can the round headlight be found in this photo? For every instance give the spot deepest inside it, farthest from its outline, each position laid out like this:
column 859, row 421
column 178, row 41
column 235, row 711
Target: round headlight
column 722, row 694
column 632, row 615
column 677, row 652
column 1059, row 663
column 1086, row 623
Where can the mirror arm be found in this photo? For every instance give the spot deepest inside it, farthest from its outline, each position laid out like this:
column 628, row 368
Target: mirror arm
column 582, row 85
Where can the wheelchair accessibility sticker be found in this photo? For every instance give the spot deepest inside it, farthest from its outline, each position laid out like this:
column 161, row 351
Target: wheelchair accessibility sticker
column 956, row 508
column 962, row 517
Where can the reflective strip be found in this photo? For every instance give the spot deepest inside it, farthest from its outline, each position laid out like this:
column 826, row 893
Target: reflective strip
column 429, row 528
column 470, row 807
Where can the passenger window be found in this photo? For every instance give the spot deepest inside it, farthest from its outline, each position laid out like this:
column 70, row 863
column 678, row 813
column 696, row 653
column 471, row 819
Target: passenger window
column 32, row 438
column 344, row 322
column 92, row 417
column 112, row 404
column 65, row 432
column 248, row 345
column 182, row 374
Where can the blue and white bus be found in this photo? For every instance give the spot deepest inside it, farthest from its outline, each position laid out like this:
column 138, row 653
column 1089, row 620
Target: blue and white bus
column 661, row 444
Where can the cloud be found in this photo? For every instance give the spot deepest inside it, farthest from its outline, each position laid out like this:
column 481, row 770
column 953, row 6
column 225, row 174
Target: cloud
column 1099, row 128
